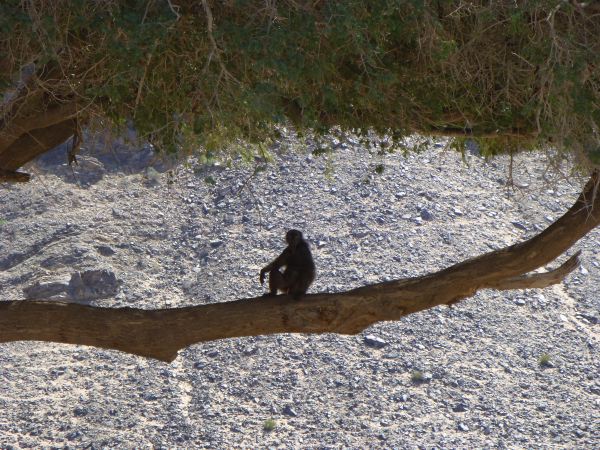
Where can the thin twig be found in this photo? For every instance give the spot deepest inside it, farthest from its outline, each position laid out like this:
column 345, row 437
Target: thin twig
column 174, row 9
column 215, row 49
column 143, row 79
column 246, row 185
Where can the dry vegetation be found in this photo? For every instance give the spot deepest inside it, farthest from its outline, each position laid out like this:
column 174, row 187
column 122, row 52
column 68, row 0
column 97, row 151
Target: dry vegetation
column 191, row 74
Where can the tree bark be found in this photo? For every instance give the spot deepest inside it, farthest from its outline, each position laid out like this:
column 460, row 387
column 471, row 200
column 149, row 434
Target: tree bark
column 21, row 126
column 32, row 123
column 36, row 142
column 161, row 333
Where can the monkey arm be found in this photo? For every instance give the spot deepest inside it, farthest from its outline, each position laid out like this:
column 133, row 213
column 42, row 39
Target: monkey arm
column 278, row 262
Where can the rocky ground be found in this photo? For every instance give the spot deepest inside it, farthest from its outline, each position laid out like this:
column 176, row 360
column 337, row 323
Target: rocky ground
column 500, row 370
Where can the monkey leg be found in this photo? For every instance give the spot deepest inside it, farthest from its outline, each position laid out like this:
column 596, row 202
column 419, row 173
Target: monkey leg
column 295, row 283
column 298, row 289
column 276, row 282
column 300, row 285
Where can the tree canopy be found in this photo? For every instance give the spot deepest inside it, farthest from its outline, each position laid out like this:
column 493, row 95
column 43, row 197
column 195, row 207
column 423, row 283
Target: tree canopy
column 189, row 75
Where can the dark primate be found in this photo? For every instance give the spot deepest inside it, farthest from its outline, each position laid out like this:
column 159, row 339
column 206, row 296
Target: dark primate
column 299, row 270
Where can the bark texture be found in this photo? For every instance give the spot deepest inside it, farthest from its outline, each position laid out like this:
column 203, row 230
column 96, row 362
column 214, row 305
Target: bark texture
column 162, row 333
column 35, row 142
column 33, row 122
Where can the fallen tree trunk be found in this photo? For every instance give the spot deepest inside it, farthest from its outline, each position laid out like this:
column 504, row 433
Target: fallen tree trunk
column 161, row 333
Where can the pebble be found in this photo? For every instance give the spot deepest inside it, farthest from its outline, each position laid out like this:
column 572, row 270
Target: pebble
column 426, row 215
column 105, row 250
column 460, row 407
column 374, row 341
column 252, row 350
column 289, row 411
column 117, row 214
column 80, row 411
column 462, row 427
column 74, row 435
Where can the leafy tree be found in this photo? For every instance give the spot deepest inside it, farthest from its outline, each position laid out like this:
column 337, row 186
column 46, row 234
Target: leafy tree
column 207, row 73
column 191, row 75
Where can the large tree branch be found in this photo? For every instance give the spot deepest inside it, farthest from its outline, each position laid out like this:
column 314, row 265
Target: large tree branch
column 540, row 280
column 162, row 333
column 20, row 126
column 32, row 123
column 34, row 143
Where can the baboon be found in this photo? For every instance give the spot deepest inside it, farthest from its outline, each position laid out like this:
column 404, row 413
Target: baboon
column 299, row 270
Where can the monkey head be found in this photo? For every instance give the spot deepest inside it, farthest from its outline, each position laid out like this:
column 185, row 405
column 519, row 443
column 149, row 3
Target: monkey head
column 293, row 238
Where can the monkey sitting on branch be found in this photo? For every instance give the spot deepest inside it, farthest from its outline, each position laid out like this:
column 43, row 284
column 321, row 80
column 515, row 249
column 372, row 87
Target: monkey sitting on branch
column 299, row 270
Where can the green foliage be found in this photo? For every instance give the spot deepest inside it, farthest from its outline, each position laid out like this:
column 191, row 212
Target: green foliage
column 445, row 50
column 269, row 425
column 515, row 78
column 594, row 155
column 321, row 150
column 417, row 376
column 544, row 359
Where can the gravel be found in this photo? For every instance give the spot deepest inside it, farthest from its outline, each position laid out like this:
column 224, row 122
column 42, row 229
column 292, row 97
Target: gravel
column 174, row 236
